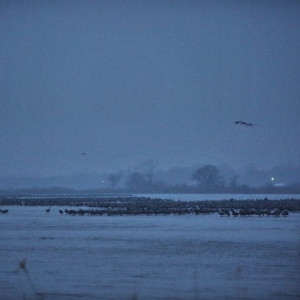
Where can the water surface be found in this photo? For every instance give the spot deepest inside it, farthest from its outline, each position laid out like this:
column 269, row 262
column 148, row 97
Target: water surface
column 149, row 257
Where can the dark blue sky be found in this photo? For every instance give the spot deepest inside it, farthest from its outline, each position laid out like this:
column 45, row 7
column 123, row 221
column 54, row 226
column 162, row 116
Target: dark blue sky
column 126, row 81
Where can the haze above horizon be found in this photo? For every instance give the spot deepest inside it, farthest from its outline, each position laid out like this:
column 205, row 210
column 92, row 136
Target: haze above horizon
column 124, row 82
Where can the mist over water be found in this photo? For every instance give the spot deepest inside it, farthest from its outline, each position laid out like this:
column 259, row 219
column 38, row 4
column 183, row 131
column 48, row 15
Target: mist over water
column 154, row 179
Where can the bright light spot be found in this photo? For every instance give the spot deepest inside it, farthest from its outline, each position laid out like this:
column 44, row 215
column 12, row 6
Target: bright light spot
column 102, row 180
column 272, row 178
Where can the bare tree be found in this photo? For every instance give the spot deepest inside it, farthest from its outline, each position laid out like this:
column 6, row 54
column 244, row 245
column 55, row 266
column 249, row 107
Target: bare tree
column 208, row 177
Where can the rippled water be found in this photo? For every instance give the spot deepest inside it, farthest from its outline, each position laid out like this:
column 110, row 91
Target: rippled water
column 149, row 257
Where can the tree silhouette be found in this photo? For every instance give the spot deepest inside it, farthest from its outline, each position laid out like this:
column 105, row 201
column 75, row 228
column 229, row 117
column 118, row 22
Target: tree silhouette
column 233, row 181
column 207, row 176
column 114, row 179
column 137, row 181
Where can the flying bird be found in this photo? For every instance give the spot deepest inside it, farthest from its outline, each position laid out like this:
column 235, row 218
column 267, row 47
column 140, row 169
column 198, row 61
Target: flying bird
column 244, row 123
column 83, row 153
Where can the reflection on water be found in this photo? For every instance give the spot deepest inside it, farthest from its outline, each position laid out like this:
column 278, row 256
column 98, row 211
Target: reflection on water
column 149, row 257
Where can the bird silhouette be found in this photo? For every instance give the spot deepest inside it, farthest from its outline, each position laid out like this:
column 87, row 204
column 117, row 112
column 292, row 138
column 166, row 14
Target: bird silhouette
column 83, row 153
column 244, row 123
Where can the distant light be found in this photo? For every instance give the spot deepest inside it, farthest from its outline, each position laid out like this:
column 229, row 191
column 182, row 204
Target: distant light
column 272, row 178
column 102, row 180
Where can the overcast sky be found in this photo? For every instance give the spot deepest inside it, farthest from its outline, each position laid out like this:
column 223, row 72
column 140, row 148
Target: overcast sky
column 125, row 81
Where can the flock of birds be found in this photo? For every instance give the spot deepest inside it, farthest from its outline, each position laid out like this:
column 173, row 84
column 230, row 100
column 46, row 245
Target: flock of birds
column 253, row 212
column 131, row 205
column 164, row 211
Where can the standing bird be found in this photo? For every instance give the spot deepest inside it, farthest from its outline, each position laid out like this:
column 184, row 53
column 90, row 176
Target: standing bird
column 244, row 123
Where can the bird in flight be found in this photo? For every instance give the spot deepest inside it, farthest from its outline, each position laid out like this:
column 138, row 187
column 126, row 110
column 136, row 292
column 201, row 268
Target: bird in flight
column 244, row 123
column 83, row 153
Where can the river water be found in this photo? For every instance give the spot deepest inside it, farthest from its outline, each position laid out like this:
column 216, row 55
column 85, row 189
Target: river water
column 148, row 257
column 200, row 197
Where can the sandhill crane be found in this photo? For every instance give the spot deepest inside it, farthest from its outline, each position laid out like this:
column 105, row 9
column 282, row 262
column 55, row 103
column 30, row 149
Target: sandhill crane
column 244, row 123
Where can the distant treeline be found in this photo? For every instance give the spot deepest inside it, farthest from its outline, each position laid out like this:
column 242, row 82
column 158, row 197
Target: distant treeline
column 204, row 180
column 147, row 178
